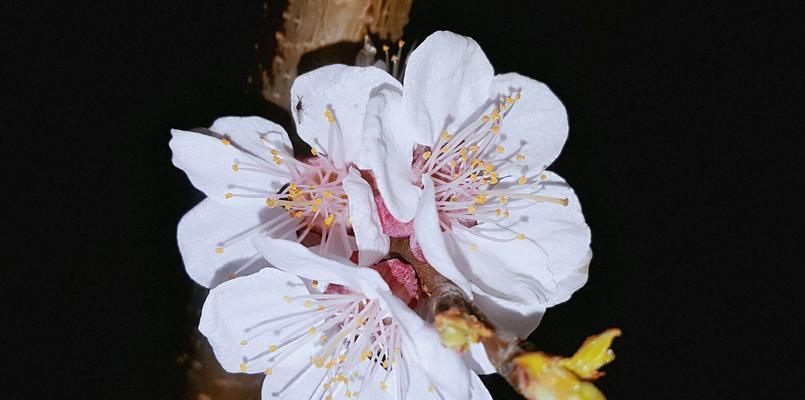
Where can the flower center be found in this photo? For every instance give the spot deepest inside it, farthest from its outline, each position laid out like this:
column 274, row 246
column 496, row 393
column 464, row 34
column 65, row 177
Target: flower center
column 465, row 167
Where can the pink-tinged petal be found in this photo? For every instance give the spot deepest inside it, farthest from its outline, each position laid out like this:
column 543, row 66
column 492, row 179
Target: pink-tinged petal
column 391, row 226
column 431, row 239
column 372, row 243
column 401, row 279
column 446, row 82
column 416, row 249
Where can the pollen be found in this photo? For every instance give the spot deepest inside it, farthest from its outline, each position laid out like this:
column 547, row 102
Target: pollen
column 383, row 386
column 520, row 157
column 473, row 247
column 269, row 371
column 314, row 151
column 328, row 195
column 503, row 200
column 329, row 220
column 480, row 199
column 286, row 299
column 523, row 180
column 446, row 136
column 329, row 114
column 242, row 366
column 225, row 141
column 244, row 342
column 314, row 284
column 308, row 304
column 401, row 43
column 471, row 209
column 496, row 129
column 500, row 149
column 228, row 196
column 272, row 348
column 520, row 236
column 275, row 152
column 509, row 100
column 543, row 177
column 235, row 168
column 271, row 202
column 219, row 250
column 385, row 47
column 311, row 330
column 426, row 155
column 474, row 148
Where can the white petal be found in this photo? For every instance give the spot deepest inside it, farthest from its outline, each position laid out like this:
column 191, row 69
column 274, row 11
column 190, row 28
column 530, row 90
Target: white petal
column 477, row 359
column 372, row 243
column 536, row 126
column 345, row 90
column 299, row 260
column 479, row 391
column 208, row 162
column 446, row 82
column 204, row 227
column 388, row 147
column 256, row 135
column 511, row 279
column 423, row 350
column 564, row 235
column 431, row 239
column 234, row 311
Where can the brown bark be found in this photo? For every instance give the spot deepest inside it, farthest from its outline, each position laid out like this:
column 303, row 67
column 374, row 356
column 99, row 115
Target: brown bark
column 312, row 25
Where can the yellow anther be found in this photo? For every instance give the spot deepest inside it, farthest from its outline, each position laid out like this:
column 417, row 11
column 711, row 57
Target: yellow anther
column 431, row 389
column 269, row 371
column 495, row 129
column 385, row 364
column 471, row 209
column 317, row 201
column 446, row 136
column 480, row 199
column 320, row 307
column 509, row 100
column 502, row 107
column 498, row 212
column 455, row 175
column 317, row 361
column 329, row 114
column 314, row 208
column 328, row 195
column 287, row 299
column 293, row 187
column 383, row 386
column 464, row 158
column 520, row 236
column 474, row 148
column 506, row 214
column 453, row 163
column 493, row 178
column 397, row 350
column 329, row 220
column 348, row 394
column 329, row 397
column 235, row 167
column 401, row 43
column 543, row 177
column 219, row 250
column 523, row 180
column 231, row 276
column 323, row 338
column 242, row 366
column 495, row 114
column 244, row 342
column 445, row 148
column 298, row 214
column 394, row 58
column 308, row 304
column 503, row 200
column 473, row 247
column 426, row 155
column 314, row 284
column 520, row 157
column 453, row 197
column 489, row 168
column 225, row 141
column 343, row 358
column 314, row 151
column 518, row 96
column 228, row 196
column 311, row 330
column 500, row 149
column 271, row 202
column 485, row 118
column 473, row 177
column 277, row 160
column 275, row 152
column 272, row 348
column 385, row 47
column 462, row 151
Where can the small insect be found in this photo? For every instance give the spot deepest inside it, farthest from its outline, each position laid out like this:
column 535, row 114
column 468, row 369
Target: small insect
column 299, row 108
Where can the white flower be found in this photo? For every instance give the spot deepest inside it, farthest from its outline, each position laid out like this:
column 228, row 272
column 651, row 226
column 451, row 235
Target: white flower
column 246, row 167
column 463, row 153
column 358, row 341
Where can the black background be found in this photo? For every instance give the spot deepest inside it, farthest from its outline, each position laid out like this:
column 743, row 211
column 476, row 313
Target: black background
column 684, row 129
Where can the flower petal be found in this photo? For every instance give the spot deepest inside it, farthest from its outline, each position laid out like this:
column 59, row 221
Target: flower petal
column 299, row 260
column 372, row 243
column 344, row 89
column 423, row 351
column 477, row 359
column 431, row 239
column 447, row 81
column 387, row 150
column 255, row 135
column 208, row 162
column 209, row 223
column 564, row 235
column 536, row 126
column 232, row 314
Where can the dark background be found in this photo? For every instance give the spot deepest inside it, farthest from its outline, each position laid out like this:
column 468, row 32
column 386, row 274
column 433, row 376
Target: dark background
column 684, row 128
